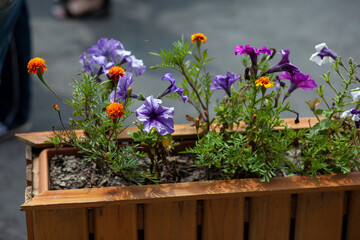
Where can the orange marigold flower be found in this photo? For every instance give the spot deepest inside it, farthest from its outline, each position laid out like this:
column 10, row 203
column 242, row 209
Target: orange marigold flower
column 264, row 81
column 116, row 72
column 115, row 110
column 56, row 107
column 36, row 64
column 198, row 37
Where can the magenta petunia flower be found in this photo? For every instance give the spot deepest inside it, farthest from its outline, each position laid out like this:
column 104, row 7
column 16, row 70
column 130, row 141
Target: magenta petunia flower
column 156, row 116
column 298, row 80
column 224, row 82
column 284, row 64
column 172, row 88
column 252, row 52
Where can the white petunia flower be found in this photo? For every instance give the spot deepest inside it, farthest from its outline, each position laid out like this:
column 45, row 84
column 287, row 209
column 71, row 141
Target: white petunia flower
column 355, row 93
column 323, row 54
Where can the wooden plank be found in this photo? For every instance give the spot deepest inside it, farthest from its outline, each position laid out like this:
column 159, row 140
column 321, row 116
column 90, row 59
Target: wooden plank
column 174, row 220
column 353, row 216
column 118, row 222
column 61, row 224
column 270, row 217
column 223, row 219
column 37, row 139
column 319, row 216
column 96, row 197
column 29, row 225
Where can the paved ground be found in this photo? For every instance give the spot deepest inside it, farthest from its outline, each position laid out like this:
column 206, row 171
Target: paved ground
column 145, row 26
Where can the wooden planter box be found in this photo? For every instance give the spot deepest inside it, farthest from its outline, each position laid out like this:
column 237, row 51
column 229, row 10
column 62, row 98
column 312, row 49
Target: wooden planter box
column 284, row 208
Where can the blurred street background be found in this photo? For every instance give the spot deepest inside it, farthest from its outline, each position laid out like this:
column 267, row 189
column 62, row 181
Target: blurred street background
column 145, row 26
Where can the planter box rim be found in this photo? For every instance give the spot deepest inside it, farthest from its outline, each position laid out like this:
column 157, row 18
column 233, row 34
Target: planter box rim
column 92, row 197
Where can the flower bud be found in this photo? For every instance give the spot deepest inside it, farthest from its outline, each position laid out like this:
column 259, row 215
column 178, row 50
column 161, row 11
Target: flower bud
column 129, row 91
column 197, row 123
column 320, row 90
column 56, row 107
column 166, row 140
column 253, row 118
column 107, row 156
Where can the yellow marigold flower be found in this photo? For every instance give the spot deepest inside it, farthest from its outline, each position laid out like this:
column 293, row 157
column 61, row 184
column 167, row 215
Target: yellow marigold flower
column 264, row 81
column 115, row 110
column 36, row 64
column 198, row 37
column 116, row 72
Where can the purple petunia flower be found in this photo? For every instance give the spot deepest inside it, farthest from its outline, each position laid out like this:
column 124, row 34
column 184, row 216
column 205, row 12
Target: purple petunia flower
column 284, row 64
column 107, row 48
column 279, row 84
column 323, row 54
column 156, row 116
column 106, row 54
column 88, row 66
column 298, row 80
column 224, row 82
column 172, row 88
column 252, row 52
column 122, row 88
column 137, row 65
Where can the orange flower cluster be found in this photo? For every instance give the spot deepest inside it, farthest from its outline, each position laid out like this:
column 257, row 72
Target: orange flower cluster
column 116, row 72
column 264, row 81
column 36, row 64
column 198, row 37
column 115, row 110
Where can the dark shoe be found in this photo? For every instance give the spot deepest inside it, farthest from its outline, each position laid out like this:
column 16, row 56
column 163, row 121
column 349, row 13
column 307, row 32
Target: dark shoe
column 6, row 133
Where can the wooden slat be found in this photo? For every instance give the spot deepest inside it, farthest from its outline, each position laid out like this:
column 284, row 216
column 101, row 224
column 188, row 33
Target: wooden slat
column 319, row 216
column 191, row 191
column 61, row 224
column 118, row 222
column 173, row 220
column 37, row 139
column 223, row 219
column 270, row 217
column 29, row 225
column 353, row 216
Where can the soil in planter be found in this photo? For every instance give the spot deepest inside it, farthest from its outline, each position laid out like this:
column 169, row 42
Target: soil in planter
column 70, row 172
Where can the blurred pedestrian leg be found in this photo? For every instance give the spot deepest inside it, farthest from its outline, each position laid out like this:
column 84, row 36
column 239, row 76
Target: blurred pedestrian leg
column 15, row 52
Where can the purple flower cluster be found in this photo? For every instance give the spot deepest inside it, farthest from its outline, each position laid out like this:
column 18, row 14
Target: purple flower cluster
column 224, row 82
column 292, row 73
column 156, row 116
column 252, row 52
column 106, row 54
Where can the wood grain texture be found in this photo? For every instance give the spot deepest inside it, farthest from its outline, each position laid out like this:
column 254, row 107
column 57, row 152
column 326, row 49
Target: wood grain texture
column 223, row 219
column 319, row 216
column 97, row 197
column 173, row 220
column 182, row 131
column 29, row 225
column 270, row 217
column 117, row 222
column 353, row 216
column 61, row 224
